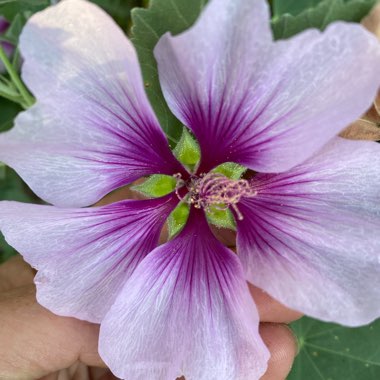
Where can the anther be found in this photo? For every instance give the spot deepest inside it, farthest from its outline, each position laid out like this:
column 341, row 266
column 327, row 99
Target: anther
column 180, row 183
column 214, row 190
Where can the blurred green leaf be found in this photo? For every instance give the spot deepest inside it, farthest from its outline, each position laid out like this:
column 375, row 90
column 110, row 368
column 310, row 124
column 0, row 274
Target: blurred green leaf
column 150, row 24
column 15, row 28
column 332, row 352
column 8, row 111
column 3, row 171
column 16, row 12
column 11, row 185
column 120, row 10
column 293, row 7
column 6, row 251
column 12, row 188
column 8, row 91
column 320, row 16
column 10, row 8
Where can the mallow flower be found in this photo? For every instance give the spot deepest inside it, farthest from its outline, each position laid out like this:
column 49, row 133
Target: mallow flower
column 307, row 213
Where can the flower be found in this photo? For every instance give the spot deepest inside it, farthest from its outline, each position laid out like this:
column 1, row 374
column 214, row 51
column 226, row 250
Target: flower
column 307, row 221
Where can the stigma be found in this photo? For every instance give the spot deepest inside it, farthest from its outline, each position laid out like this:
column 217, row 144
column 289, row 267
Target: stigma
column 214, row 190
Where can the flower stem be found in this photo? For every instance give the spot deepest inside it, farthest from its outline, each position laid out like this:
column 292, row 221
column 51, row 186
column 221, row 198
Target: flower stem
column 28, row 98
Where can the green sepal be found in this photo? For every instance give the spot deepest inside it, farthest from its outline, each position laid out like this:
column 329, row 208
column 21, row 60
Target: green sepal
column 221, row 218
column 157, row 185
column 178, row 218
column 231, row 170
column 187, row 150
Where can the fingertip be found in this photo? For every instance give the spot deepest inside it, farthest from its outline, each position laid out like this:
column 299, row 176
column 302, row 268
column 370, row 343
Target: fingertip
column 283, row 348
column 15, row 273
column 40, row 341
column 271, row 310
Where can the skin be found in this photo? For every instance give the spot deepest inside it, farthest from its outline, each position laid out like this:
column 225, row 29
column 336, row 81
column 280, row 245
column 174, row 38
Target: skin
column 36, row 344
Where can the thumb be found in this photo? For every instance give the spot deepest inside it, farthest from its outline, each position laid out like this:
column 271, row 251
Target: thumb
column 34, row 342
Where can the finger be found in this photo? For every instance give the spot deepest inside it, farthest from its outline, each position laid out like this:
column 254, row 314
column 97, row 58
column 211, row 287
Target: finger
column 271, row 310
column 283, row 348
column 15, row 273
column 35, row 342
column 101, row 374
column 80, row 371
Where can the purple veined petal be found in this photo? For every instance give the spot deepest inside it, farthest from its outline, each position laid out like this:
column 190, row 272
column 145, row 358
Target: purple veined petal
column 267, row 105
column 186, row 310
column 92, row 129
column 84, row 256
column 310, row 237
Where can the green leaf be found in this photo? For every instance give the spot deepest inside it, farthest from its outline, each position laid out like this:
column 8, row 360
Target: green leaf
column 3, row 171
column 149, row 25
column 221, row 218
column 332, row 352
column 157, row 185
column 8, row 111
column 319, row 17
column 22, row 3
column 293, row 7
column 8, row 91
column 119, row 10
column 178, row 218
column 15, row 28
column 11, row 188
column 187, row 150
column 230, row 170
column 10, row 8
column 6, row 251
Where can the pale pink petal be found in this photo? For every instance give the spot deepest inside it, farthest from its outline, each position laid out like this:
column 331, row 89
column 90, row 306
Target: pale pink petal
column 84, row 256
column 186, row 310
column 310, row 237
column 92, row 129
column 267, row 105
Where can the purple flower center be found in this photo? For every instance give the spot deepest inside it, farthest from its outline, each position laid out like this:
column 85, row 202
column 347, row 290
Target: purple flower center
column 214, row 190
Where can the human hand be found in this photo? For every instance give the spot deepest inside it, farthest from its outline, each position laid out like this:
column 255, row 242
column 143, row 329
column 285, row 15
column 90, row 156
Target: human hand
column 36, row 344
